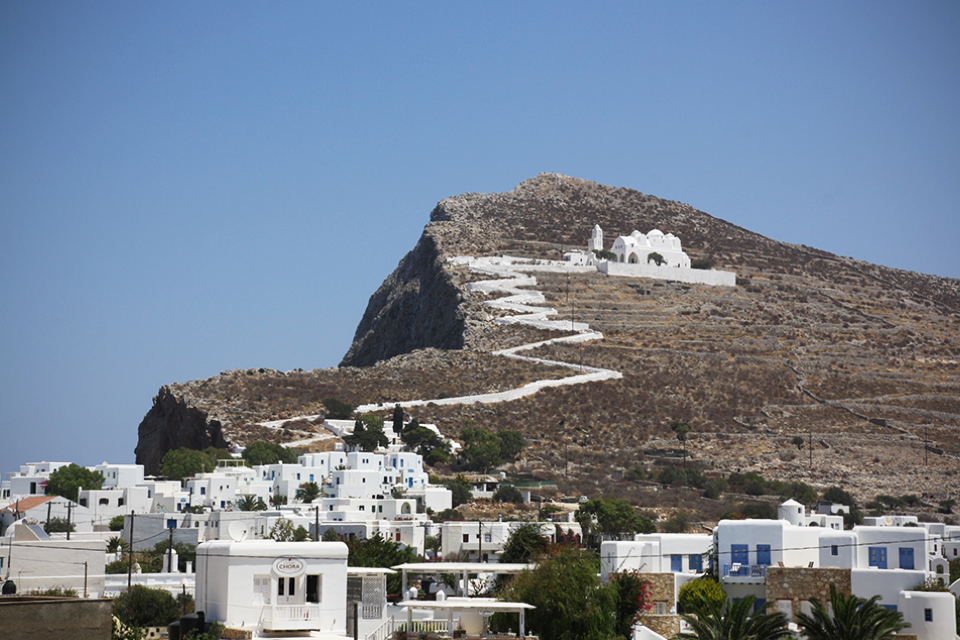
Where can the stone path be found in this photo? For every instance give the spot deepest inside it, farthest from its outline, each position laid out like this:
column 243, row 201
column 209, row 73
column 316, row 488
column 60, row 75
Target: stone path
column 526, row 304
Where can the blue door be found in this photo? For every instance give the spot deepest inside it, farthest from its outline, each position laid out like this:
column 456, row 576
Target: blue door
column 877, row 557
column 763, row 554
column 906, row 557
column 676, row 563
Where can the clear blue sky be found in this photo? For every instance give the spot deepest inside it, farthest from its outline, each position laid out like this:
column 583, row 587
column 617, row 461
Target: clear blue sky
column 191, row 187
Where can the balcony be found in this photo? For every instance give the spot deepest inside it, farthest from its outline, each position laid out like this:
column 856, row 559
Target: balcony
column 744, row 573
column 290, row 617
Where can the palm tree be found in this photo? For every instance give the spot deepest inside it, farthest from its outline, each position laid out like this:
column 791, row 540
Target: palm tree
column 250, row 502
column 308, row 492
column 278, row 499
column 733, row 620
column 853, row 619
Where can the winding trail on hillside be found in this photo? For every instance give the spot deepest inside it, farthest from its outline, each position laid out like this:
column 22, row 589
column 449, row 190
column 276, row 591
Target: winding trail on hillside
column 528, row 308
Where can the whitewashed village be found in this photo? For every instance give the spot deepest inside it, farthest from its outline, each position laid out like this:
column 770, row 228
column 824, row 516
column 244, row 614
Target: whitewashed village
column 302, row 547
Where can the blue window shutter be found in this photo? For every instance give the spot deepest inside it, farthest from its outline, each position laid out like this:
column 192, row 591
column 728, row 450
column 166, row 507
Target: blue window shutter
column 763, row 554
column 739, row 553
column 696, row 562
column 906, row 558
column 676, row 563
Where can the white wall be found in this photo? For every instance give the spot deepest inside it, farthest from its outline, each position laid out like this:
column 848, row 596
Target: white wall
column 941, row 607
column 866, row 583
column 692, row 276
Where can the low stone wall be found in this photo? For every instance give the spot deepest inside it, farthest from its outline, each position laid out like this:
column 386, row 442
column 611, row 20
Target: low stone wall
column 800, row 583
column 667, row 626
column 45, row 618
column 690, row 276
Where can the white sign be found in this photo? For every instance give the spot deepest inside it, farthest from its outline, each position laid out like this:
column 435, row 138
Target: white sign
column 289, row 566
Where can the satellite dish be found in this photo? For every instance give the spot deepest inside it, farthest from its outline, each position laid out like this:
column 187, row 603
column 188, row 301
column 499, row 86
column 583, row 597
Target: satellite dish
column 237, row 531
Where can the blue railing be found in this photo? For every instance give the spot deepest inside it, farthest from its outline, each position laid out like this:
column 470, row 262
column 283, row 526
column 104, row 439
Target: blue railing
column 745, row 570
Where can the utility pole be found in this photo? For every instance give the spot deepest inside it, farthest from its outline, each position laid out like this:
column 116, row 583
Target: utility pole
column 316, row 525
column 480, row 541
column 925, row 446
column 85, row 567
column 46, row 525
column 810, row 447
column 130, row 554
column 69, row 509
column 170, row 552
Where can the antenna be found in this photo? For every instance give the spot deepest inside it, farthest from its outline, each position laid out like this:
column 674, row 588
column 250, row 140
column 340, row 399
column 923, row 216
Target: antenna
column 237, row 531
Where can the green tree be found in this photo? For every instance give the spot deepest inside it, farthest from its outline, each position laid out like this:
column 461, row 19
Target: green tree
column 379, row 552
column 250, row 502
column 700, row 263
column 284, row 531
column 633, row 595
column 184, row 462
column 797, row 442
column 508, row 493
column 116, row 523
column 261, row 452
column 524, row 544
column 116, row 544
column 277, row 500
column 613, row 518
column 837, row 495
column 461, row 491
column 367, row 433
column 655, row 258
column 682, row 429
column 337, row 410
column 853, row 618
column 734, row 620
column 481, row 449
column 59, row 525
column 141, row 606
column 955, row 572
column 397, row 419
column 67, row 481
column 426, row 442
column 694, row 592
column 331, row 535
column 308, row 492
column 512, row 444
column 571, row 602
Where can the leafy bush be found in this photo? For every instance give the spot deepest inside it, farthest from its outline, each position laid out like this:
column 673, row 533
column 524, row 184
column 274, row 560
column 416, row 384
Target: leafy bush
column 116, row 523
column 461, row 491
column 141, row 606
column 508, row 493
column 694, row 593
column 261, row 452
column 337, row 410
column 700, row 263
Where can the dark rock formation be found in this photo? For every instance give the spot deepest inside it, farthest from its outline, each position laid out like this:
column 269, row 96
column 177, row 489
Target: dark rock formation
column 173, row 423
column 417, row 306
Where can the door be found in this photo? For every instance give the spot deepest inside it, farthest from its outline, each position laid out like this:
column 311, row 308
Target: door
column 877, row 557
column 288, row 591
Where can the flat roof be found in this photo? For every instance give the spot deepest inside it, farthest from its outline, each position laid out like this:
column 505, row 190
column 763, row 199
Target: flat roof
column 460, row 567
column 466, row 604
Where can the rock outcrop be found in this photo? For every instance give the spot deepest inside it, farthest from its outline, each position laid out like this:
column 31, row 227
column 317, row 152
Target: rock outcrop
column 172, row 423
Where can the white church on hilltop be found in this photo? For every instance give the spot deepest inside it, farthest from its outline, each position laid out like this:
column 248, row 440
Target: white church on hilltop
column 650, row 255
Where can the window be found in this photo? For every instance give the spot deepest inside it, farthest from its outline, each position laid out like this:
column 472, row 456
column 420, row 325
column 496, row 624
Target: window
column 660, row 609
column 877, row 557
column 466, row 537
column 696, row 562
column 120, row 501
column 83, row 502
column 261, row 589
column 906, row 557
column 171, row 523
column 739, row 554
column 398, row 536
column 676, row 563
column 203, row 491
column 103, row 501
column 759, row 604
column 928, row 615
column 313, row 589
column 291, row 584
column 834, row 550
column 763, row 555
column 488, row 537
column 311, row 477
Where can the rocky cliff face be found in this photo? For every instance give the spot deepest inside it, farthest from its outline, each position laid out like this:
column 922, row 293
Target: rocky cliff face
column 416, row 307
column 171, row 423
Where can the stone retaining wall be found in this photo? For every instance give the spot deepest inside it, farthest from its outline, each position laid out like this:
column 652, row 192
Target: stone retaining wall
column 800, row 583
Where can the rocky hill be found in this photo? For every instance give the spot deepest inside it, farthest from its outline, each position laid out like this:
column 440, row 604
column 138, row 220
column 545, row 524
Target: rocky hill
column 861, row 360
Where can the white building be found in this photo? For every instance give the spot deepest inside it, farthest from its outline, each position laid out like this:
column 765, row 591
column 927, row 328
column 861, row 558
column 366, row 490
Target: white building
column 30, row 480
column 656, row 553
column 269, row 586
column 105, row 504
column 931, row 615
column 36, row 561
column 633, row 257
column 483, row 541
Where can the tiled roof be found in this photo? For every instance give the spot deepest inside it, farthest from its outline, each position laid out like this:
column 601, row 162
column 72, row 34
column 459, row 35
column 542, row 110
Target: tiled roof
column 25, row 504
